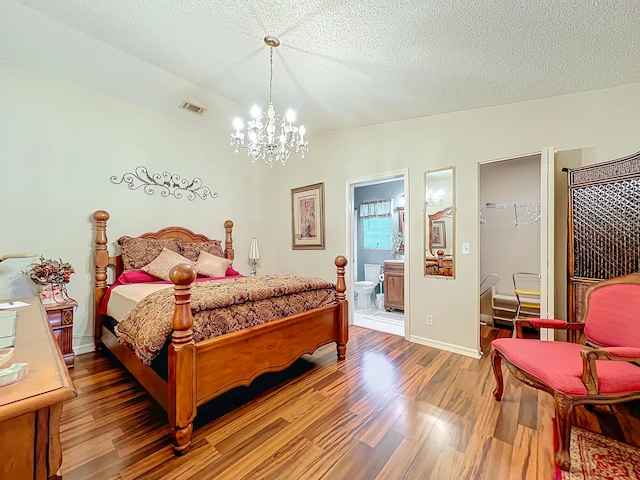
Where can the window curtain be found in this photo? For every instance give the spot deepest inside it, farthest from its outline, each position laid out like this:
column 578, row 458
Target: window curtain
column 377, row 209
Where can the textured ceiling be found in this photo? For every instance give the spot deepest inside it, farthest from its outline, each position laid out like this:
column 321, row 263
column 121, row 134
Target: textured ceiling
column 341, row 63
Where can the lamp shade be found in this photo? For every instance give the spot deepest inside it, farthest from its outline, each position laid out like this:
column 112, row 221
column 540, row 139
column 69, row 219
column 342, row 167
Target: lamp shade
column 254, row 251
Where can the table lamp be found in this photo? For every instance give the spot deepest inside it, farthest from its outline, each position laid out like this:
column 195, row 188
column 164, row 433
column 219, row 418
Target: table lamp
column 254, row 255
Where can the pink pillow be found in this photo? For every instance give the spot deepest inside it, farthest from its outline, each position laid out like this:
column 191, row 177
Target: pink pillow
column 231, row 272
column 136, row 276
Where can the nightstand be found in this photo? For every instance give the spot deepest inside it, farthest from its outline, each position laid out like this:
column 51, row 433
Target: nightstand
column 61, row 321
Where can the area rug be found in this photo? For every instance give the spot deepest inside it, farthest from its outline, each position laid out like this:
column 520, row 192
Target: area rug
column 387, row 317
column 596, row 457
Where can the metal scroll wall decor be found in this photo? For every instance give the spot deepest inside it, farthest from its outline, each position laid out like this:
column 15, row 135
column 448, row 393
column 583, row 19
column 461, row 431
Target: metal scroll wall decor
column 169, row 184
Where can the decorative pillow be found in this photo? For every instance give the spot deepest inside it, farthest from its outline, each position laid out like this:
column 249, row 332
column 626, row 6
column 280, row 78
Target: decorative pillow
column 138, row 252
column 191, row 250
column 231, row 272
column 211, row 265
column 136, row 276
column 161, row 266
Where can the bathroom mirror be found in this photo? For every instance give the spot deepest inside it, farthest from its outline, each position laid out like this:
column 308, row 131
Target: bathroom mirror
column 439, row 222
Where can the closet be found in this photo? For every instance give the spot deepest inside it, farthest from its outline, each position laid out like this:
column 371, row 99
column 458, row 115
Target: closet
column 604, row 225
column 509, row 232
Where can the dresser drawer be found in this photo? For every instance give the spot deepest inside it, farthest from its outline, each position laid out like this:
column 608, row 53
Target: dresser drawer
column 60, row 318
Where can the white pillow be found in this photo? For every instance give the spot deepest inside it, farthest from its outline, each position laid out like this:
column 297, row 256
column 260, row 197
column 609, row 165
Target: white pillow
column 212, row 265
column 161, row 266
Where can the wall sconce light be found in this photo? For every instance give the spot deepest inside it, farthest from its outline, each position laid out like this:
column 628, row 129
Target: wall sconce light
column 254, row 255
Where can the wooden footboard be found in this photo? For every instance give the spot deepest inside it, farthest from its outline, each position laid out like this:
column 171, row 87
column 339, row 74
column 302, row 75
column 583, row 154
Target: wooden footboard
column 199, row 372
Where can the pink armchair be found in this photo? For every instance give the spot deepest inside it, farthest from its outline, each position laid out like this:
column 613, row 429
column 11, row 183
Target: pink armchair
column 574, row 374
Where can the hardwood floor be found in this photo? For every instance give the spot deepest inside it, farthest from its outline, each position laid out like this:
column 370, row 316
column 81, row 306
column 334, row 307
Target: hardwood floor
column 392, row 410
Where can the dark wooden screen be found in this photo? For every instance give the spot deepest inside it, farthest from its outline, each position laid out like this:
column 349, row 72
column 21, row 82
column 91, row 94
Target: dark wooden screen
column 604, row 225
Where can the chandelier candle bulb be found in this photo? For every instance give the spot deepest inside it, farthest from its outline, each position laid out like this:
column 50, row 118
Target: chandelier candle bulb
column 238, row 125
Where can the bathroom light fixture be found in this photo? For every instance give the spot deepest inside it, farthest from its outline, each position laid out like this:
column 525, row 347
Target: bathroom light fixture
column 433, row 199
column 272, row 137
column 254, row 256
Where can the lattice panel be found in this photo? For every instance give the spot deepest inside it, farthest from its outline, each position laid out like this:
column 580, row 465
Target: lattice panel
column 606, row 229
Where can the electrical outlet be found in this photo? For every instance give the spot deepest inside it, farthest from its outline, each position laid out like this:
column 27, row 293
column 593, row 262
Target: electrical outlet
column 429, row 319
column 466, row 249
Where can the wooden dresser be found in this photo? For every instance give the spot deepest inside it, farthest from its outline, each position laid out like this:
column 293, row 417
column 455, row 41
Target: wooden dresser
column 30, row 409
column 394, row 285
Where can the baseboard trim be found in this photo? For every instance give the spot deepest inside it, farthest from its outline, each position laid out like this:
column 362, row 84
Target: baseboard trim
column 467, row 352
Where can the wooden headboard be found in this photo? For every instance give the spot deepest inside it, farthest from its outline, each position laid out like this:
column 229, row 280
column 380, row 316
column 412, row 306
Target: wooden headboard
column 103, row 261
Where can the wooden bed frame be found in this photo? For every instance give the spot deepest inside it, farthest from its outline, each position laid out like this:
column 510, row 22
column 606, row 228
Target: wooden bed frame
column 236, row 358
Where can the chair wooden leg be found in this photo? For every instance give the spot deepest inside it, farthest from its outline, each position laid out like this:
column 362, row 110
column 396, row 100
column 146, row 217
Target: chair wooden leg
column 496, row 363
column 564, row 411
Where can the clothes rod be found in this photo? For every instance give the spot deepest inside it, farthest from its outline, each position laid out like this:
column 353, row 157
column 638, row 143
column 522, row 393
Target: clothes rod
column 531, row 212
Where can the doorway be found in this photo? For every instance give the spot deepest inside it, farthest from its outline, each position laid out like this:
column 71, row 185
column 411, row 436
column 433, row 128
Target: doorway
column 510, row 217
column 378, row 236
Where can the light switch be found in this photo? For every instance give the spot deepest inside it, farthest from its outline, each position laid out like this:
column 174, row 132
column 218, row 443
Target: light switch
column 466, row 248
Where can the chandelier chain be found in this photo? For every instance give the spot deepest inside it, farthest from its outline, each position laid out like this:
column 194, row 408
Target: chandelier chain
column 270, row 74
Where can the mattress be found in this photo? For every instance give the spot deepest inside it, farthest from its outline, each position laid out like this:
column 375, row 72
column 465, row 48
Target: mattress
column 124, row 297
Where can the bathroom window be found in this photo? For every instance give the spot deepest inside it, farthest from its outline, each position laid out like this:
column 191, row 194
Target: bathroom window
column 377, row 224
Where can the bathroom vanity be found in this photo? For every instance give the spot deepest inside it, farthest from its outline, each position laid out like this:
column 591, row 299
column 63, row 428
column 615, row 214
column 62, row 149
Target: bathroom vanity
column 394, row 285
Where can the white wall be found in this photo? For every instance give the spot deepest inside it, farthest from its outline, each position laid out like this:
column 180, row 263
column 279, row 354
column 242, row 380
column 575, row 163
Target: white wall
column 603, row 122
column 60, row 145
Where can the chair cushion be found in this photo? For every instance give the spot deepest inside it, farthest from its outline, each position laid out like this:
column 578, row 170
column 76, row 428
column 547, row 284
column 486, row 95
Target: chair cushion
column 559, row 365
column 612, row 315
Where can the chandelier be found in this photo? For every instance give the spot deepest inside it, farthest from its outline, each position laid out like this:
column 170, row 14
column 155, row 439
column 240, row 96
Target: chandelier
column 271, row 136
column 434, row 198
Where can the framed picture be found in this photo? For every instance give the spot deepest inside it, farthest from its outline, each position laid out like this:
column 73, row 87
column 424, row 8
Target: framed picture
column 307, row 217
column 439, row 239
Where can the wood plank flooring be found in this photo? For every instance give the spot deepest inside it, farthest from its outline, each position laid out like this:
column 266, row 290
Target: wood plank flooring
column 392, row 410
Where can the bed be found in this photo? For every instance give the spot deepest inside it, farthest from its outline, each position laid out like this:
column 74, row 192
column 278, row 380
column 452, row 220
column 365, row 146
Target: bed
column 237, row 358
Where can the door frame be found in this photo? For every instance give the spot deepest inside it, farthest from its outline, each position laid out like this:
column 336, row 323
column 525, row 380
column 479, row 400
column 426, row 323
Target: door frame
column 547, row 235
column 351, row 185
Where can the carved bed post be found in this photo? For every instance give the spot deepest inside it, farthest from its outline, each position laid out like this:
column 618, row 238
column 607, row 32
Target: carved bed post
column 182, row 361
column 101, row 259
column 228, row 240
column 341, row 287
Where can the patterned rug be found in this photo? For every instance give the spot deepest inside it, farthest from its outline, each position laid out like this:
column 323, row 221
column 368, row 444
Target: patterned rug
column 595, row 457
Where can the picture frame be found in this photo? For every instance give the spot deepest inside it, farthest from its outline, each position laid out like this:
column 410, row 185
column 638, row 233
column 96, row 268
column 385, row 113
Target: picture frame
column 439, row 239
column 307, row 217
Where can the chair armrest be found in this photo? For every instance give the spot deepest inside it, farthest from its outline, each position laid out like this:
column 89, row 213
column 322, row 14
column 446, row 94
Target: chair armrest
column 590, row 355
column 545, row 323
column 630, row 354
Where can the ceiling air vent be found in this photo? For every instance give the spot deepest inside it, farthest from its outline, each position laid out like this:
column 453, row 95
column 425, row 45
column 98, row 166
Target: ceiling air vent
column 193, row 108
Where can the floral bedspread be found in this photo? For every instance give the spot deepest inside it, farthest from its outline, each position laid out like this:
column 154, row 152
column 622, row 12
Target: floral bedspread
column 221, row 307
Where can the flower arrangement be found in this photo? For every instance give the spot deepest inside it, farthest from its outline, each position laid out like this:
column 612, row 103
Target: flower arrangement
column 397, row 238
column 48, row 271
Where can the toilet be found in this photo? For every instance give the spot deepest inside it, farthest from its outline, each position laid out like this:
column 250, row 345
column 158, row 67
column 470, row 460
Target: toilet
column 365, row 289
